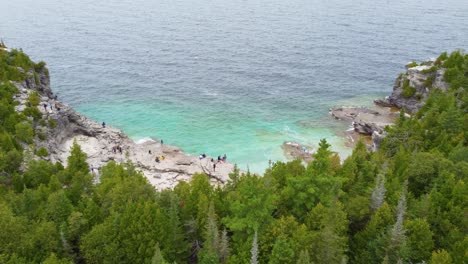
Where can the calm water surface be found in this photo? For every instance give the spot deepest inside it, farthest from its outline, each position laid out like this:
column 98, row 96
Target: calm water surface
column 236, row 77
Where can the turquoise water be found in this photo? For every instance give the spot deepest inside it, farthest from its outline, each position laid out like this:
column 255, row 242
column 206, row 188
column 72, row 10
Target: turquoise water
column 236, row 77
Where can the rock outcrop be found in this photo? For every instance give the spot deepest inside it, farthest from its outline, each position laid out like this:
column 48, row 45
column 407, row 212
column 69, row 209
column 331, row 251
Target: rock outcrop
column 411, row 89
column 296, row 150
column 410, row 92
column 103, row 144
column 364, row 120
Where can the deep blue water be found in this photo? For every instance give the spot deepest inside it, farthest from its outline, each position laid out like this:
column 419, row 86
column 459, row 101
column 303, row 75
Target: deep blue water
column 237, row 77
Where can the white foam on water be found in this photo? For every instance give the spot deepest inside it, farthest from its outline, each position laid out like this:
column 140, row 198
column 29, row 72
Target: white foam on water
column 144, row 140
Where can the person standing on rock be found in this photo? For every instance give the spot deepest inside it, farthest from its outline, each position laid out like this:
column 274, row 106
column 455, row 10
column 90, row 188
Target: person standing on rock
column 162, row 142
column 103, row 124
column 214, row 166
column 45, row 107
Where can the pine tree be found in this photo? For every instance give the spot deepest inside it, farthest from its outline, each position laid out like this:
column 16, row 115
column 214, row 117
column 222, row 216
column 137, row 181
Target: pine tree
column 77, row 160
column 254, row 250
column 282, row 252
column 378, row 194
column 440, row 257
column 211, row 244
column 157, row 257
column 304, row 257
column 329, row 226
column 419, row 240
column 223, row 249
column 397, row 239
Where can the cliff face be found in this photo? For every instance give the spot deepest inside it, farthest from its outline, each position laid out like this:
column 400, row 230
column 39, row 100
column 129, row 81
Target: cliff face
column 60, row 126
column 411, row 89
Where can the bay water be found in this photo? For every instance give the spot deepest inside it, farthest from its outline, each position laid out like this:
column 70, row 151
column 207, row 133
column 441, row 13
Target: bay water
column 233, row 77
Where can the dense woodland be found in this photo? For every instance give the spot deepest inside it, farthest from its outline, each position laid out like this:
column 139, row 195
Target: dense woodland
column 406, row 203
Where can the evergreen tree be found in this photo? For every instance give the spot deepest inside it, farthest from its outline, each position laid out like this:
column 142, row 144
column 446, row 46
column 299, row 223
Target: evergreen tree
column 304, row 257
column 440, row 257
column 254, row 250
column 157, row 257
column 77, row 160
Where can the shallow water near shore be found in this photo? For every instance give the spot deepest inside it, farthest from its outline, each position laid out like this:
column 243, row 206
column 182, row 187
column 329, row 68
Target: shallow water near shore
column 229, row 77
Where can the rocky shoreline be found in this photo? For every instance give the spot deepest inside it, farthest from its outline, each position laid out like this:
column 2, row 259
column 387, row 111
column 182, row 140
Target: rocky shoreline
column 100, row 143
column 410, row 91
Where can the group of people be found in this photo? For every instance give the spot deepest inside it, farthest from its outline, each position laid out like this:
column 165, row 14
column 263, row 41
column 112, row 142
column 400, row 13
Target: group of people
column 157, row 159
column 220, row 159
column 51, row 106
column 94, row 170
column 117, row 148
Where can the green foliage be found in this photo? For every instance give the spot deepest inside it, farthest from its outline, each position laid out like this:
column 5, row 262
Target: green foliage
column 38, row 172
column 419, row 240
column 432, row 69
column 13, row 65
column 456, row 72
column 42, row 152
column 34, row 99
column 39, row 66
column 24, row 132
column 412, row 64
column 408, row 90
column 41, row 137
column 329, row 228
column 52, row 123
column 441, row 257
column 77, row 160
column 429, row 81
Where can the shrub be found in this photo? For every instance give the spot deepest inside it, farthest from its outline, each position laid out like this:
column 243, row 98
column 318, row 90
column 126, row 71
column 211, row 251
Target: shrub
column 41, row 136
column 33, row 112
column 52, row 123
column 430, row 70
column 24, row 132
column 36, row 78
column 39, row 66
column 34, row 99
column 419, row 96
column 452, row 74
column 455, row 59
column 441, row 58
column 429, row 81
column 42, row 152
column 43, row 123
column 412, row 64
column 408, row 91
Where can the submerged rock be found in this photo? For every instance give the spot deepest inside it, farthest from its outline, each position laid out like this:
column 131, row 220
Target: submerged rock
column 297, row 151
